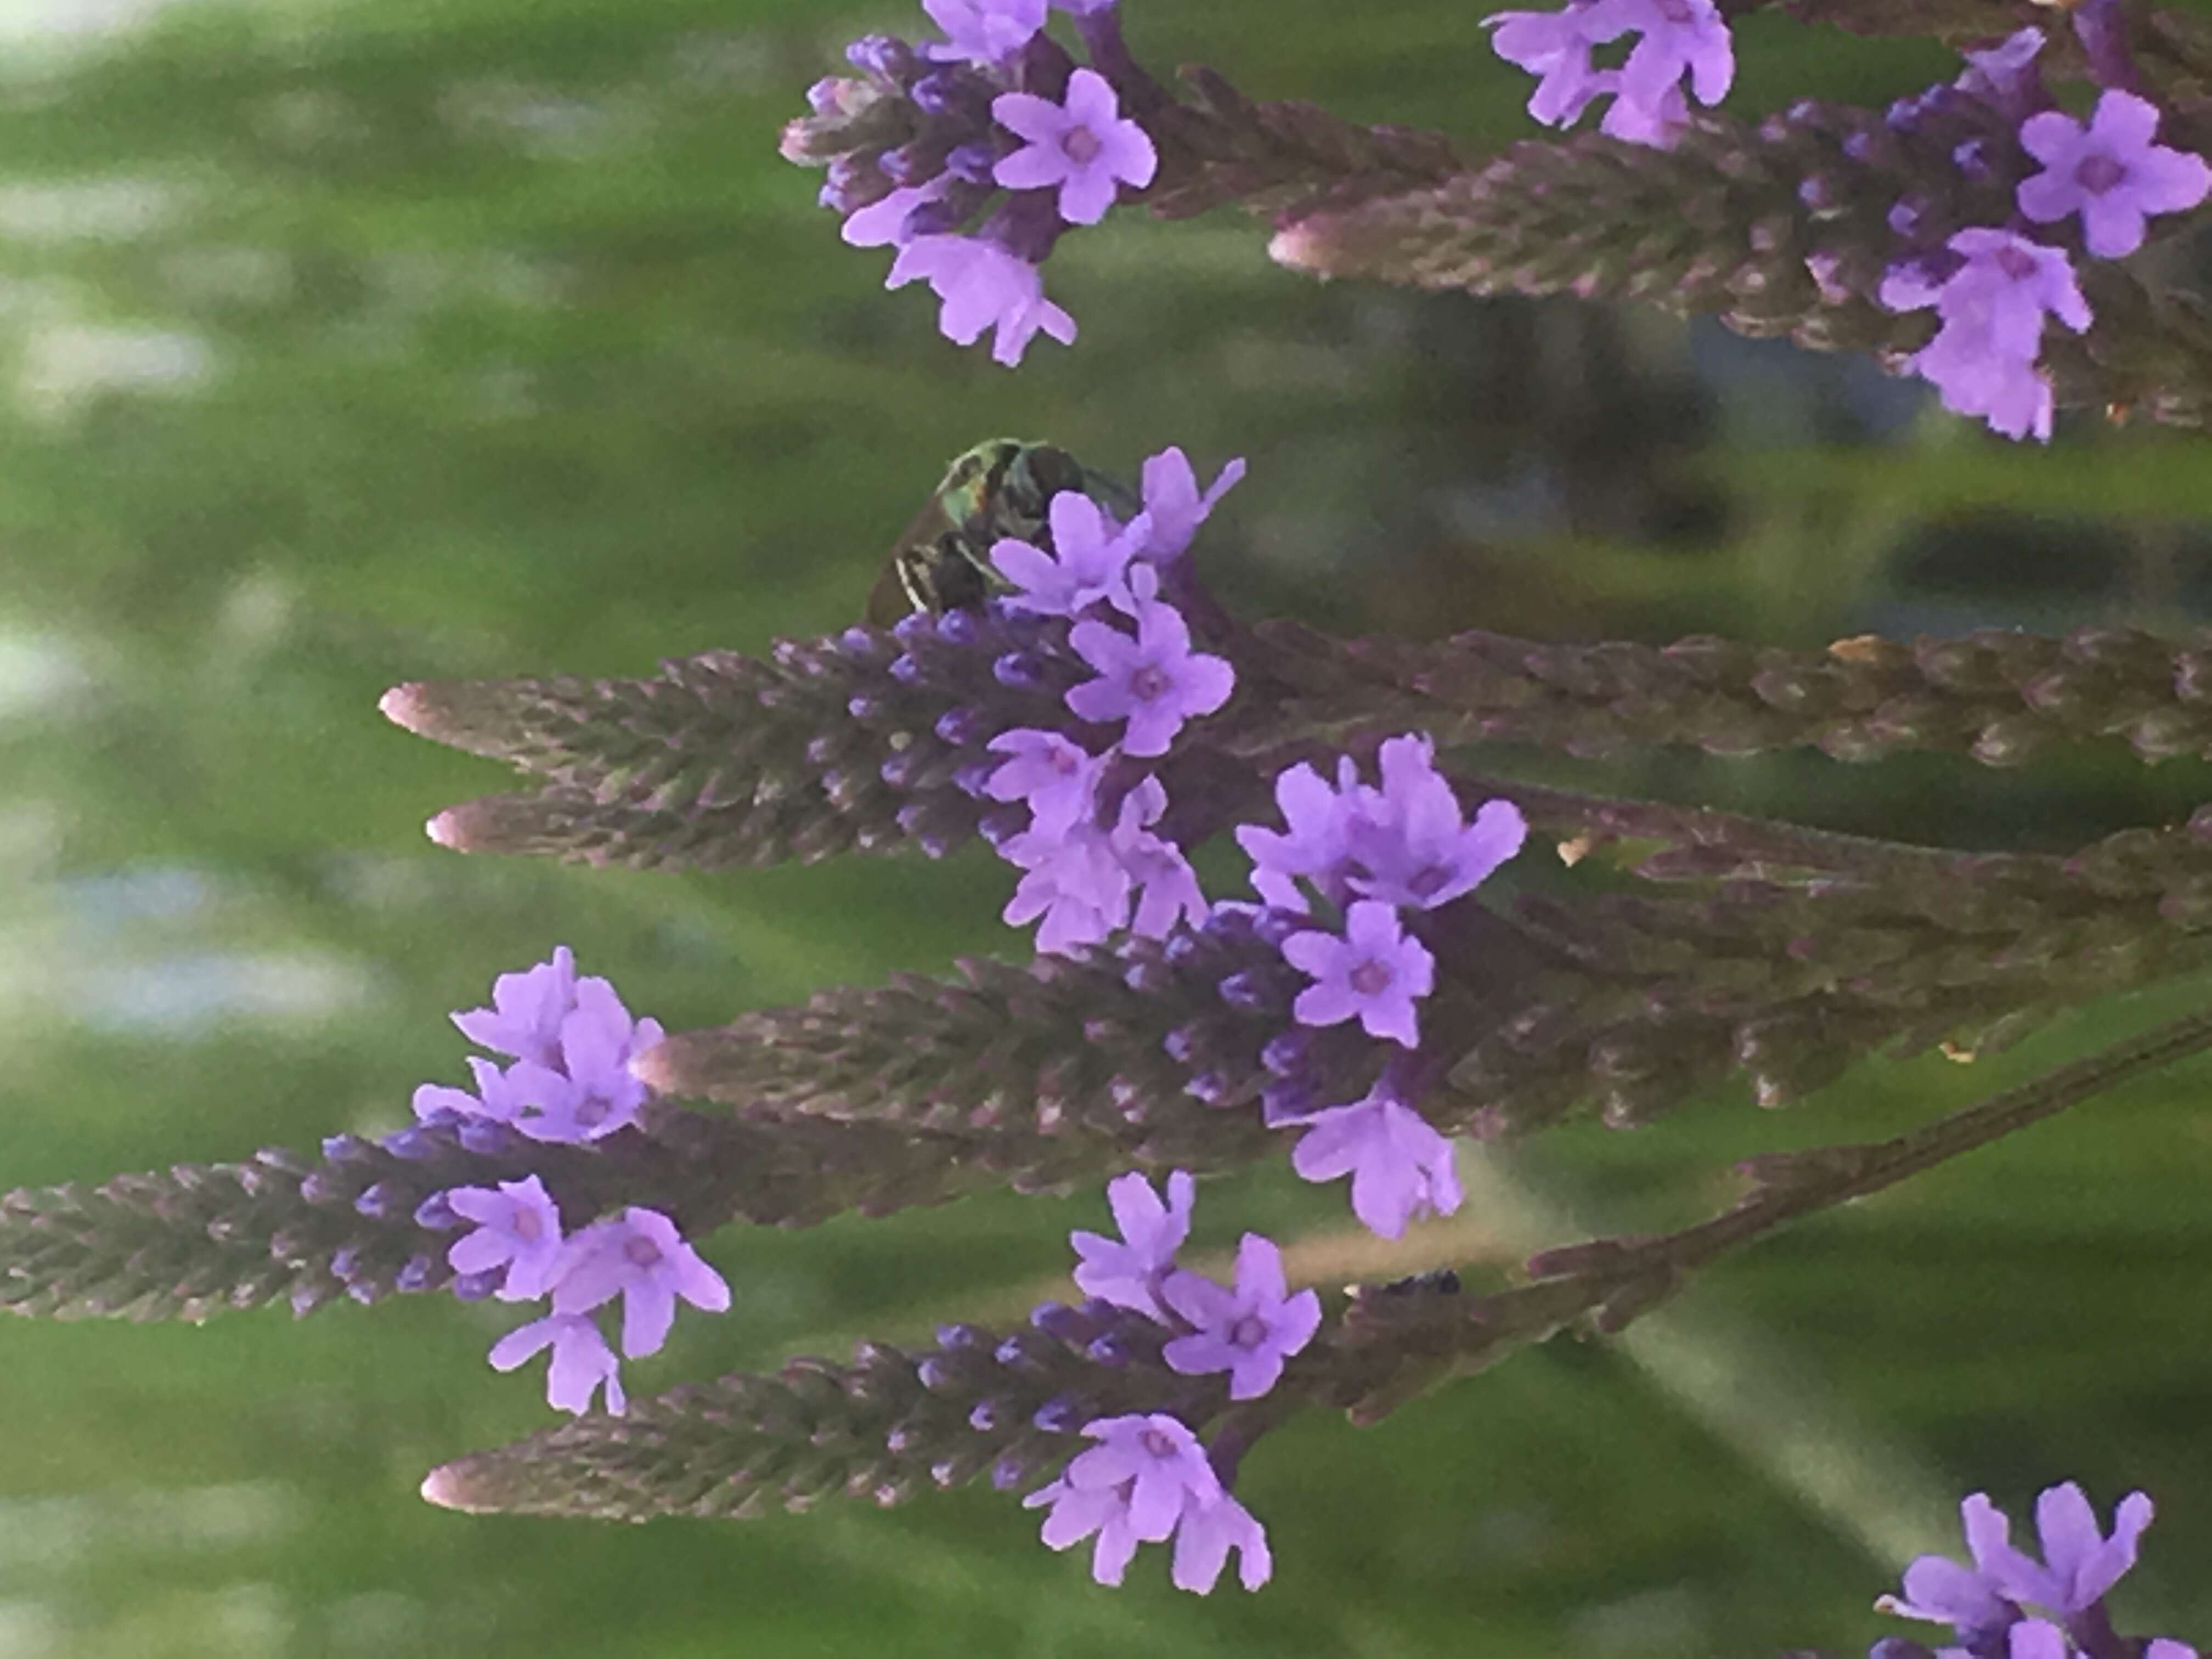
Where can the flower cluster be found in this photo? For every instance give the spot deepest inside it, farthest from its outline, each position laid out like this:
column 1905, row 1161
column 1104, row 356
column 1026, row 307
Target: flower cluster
column 1092, row 850
column 1150, row 1479
column 572, row 1040
column 1381, row 859
column 1993, row 286
column 1984, row 1603
column 971, row 156
column 1677, row 41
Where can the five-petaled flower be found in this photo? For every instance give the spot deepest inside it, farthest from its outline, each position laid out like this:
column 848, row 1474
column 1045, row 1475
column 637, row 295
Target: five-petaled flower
column 1248, row 1331
column 983, row 31
column 1992, row 306
column 2110, row 172
column 1055, row 776
column 1154, row 681
column 1147, row 1480
column 1084, row 146
column 982, row 286
column 1400, row 1167
column 582, row 1362
column 518, row 1228
column 640, row 1257
column 1127, row 1272
column 1089, row 564
column 1376, row 972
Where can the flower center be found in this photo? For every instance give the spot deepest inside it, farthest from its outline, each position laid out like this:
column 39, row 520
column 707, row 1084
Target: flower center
column 593, row 1110
column 1372, row 978
column 1148, row 683
column 2099, row 173
column 525, row 1226
column 642, row 1251
column 2015, row 263
column 1157, row 1444
column 1430, row 879
column 1081, row 145
column 1248, row 1331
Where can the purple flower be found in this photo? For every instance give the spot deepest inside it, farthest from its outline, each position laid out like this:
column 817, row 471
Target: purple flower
column 1681, row 37
column 984, row 32
column 1408, row 844
column 1207, row 1532
column 2081, row 1563
column 2006, row 75
column 1656, row 125
column 1089, row 564
column 1055, row 776
column 1173, row 507
column 518, row 1227
column 1134, row 1487
column 2109, row 171
column 983, row 287
column 2037, row 1638
column 883, row 224
column 1376, row 972
column 1555, row 46
column 641, row 1258
column 1314, row 842
column 1074, row 881
column 1154, row 681
column 581, row 1361
column 1399, row 1165
column 1084, row 146
column 1974, row 1601
column 1167, row 885
column 1127, row 1273
column 1983, row 359
column 493, row 1098
column 526, row 1010
column 2164, row 1647
column 1248, row 1332
column 592, row 1094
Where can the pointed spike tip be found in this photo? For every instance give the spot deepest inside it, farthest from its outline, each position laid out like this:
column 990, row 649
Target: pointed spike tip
column 448, row 1487
column 406, row 707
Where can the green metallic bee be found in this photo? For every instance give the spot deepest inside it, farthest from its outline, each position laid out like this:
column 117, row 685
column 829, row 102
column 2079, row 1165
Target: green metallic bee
column 1002, row 487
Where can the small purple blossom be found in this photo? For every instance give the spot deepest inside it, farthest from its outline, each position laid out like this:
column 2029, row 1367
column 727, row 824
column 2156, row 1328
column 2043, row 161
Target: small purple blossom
column 1057, row 778
column 1084, row 146
column 1147, row 1478
column 1992, row 308
column 1681, row 37
column 1154, row 681
column 493, row 1098
column 1974, row 1601
column 518, row 1228
column 1089, row 564
column 984, row 32
column 641, row 1258
column 1314, row 842
column 1173, row 507
column 1167, row 887
column 982, row 286
column 1400, row 1167
column 884, row 224
column 1073, row 880
column 1409, row 844
column 1249, row 1331
column 581, row 1361
column 2110, row 172
column 2006, row 75
column 2080, row 1563
column 1375, row 973
column 592, row 1094
column 526, row 1010
column 1554, row 46
column 1127, row 1272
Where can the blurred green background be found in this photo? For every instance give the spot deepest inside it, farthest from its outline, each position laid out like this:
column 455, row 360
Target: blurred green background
column 348, row 343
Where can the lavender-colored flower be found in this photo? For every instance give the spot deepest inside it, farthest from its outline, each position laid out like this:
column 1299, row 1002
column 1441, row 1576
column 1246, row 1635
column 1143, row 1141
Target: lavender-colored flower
column 1131, row 1488
column 1057, row 777
column 1173, row 507
column 1993, row 306
column 1316, row 840
column 2037, row 1638
column 1681, row 37
column 984, row 32
column 1249, row 1331
column 1408, row 844
column 1656, row 125
column 581, row 1361
column 641, row 1258
column 1154, row 681
column 1399, row 1166
column 2110, row 172
column 2006, row 75
column 1127, row 1272
column 593, row 1093
column 526, row 1010
column 1089, row 564
column 2164, row 1647
column 1082, row 146
column 1375, row 973
column 1207, row 1532
column 1167, row 887
column 1974, row 1601
column 1556, row 47
column 2080, row 1563
column 518, row 1228
column 494, row 1097
column 884, row 224
column 982, row 286
column 1074, row 881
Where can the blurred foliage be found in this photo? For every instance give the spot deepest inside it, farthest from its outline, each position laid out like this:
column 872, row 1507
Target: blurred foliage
column 351, row 343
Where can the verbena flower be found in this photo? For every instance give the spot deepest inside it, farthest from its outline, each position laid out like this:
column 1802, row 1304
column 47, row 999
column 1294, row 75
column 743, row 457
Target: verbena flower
column 518, row 1227
column 1314, row 842
column 1056, row 776
column 1408, row 842
column 1127, row 1272
column 1174, row 508
column 493, row 1098
column 1082, row 147
column 1374, row 973
column 1678, row 39
column 1074, row 882
column 2109, row 171
column 2080, row 1563
column 582, row 1363
column 1167, row 893
column 592, row 1094
column 1400, row 1167
column 1148, row 1479
column 1993, row 304
column 1088, row 565
column 1247, row 1330
column 1154, row 681
column 984, row 288
column 527, row 1010
column 640, row 1257
column 982, row 31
